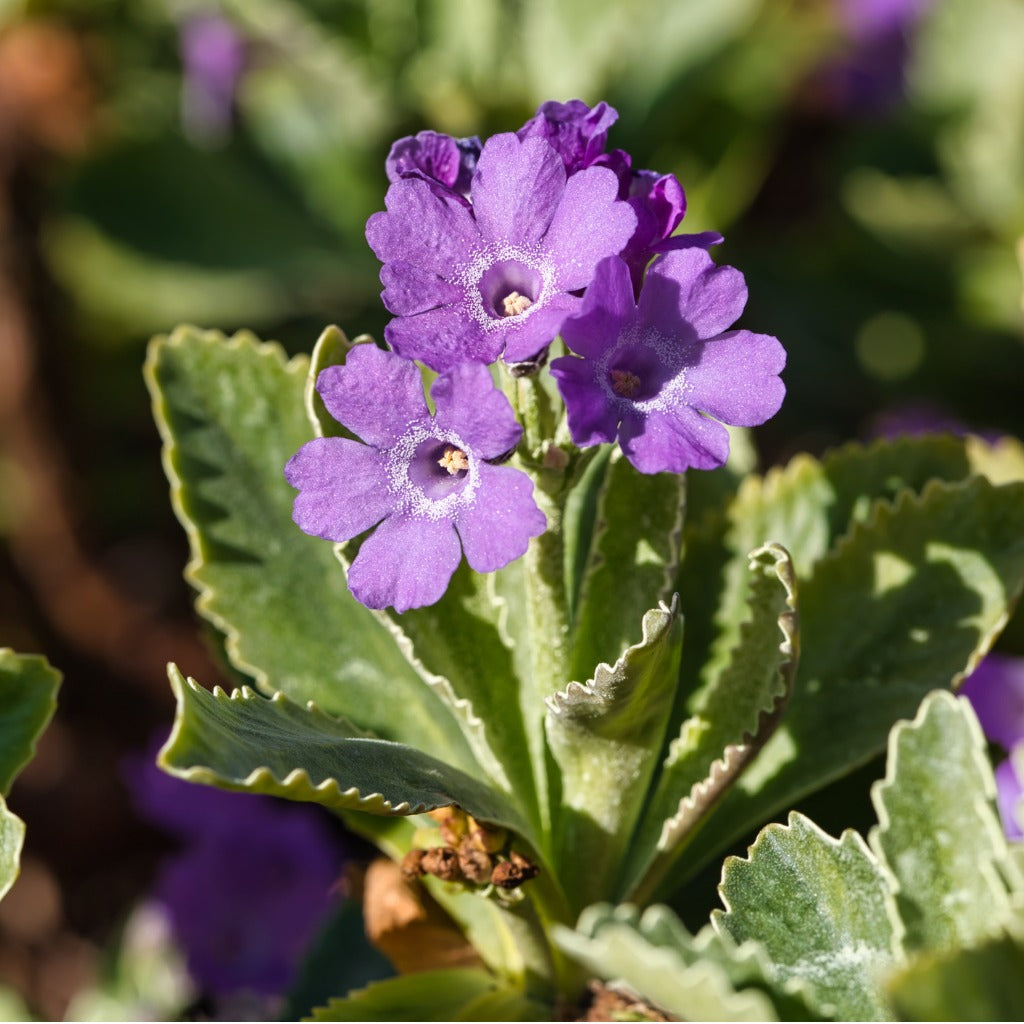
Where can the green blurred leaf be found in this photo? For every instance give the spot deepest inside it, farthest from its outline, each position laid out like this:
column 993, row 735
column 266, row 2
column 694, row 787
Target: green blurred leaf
column 733, row 719
column 250, row 744
column 656, row 957
column 231, row 414
column 822, row 910
column 456, row 994
column 605, row 737
column 28, row 699
column 938, row 832
column 984, row 983
column 906, row 603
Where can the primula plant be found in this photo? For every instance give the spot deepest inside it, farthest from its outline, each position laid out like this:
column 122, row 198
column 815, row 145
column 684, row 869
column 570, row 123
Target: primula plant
column 508, row 595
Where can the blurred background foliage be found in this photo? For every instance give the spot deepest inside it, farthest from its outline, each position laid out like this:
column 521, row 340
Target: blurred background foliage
column 864, row 158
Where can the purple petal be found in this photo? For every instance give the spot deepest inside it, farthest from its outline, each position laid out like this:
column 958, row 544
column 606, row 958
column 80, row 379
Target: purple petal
column 497, row 524
column 409, row 289
column 523, row 340
column 608, row 308
column 736, row 378
column 375, row 394
column 406, row 562
column 422, row 228
column 592, row 418
column 429, row 153
column 516, row 189
column 686, row 285
column 577, row 132
column 443, row 338
column 663, row 442
column 590, row 224
column 467, row 402
column 1009, row 794
column 342, row 488
column 996, row 691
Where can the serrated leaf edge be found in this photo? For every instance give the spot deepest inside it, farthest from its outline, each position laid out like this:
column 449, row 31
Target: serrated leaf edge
column 296, row 781
column 298, row 364
column 654, row 625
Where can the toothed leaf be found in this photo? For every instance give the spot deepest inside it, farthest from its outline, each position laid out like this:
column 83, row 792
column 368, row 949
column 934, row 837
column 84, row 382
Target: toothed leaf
column 938, row 831
column 632, row 563
column 231, row 413
column 253, row 744
column 28, row 699
column 456, row 994
column 605, row 737
column 821, row 909
column 668, row 971
column 906, row 604
column 732, row 720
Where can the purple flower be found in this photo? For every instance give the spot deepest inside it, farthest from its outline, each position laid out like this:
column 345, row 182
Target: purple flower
column 576, row 132
column 423, row 480
column 436, row 158
column 213, row 59
column 253, row 882
column 653, row 374
column 469, row 284
column 996, row 692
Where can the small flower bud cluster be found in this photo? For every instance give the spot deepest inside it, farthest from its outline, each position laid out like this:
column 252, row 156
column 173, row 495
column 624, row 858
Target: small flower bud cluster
column 470, row 853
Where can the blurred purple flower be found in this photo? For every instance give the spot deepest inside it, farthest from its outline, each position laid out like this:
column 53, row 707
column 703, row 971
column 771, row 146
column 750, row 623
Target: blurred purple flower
column 996, row 692
column 424, row 481
column 654, row 373
column 252, row 884
column 469, row 284
column 213, row 57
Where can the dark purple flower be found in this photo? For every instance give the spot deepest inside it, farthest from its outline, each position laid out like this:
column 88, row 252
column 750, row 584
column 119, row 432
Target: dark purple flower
column 653, row 374
column 996, row 692
column 578, row 133
column 469, row 284
column 436, row 158
column 213, row 59
column 254, row 881
column 422, row 480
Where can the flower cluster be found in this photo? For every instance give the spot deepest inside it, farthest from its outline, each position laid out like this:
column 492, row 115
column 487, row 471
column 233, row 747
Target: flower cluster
column 490, row 251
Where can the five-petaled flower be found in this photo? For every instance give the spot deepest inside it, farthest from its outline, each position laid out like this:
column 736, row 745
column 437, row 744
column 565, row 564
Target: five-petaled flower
column 653, row 373
column 424, row 481
column 497, row 277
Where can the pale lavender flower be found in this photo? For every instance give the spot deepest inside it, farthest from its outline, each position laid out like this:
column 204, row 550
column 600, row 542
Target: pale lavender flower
column 653, row 374
column 436, row 158
column 499, row 277
column 213, row 55
column 424, row 481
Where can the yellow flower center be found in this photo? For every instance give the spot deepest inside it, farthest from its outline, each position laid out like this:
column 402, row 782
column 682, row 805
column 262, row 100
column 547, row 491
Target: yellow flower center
column 454, row 460
column 513, row 304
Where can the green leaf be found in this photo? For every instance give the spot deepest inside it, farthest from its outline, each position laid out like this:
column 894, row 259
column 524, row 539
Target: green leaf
column 632, row 563
column 231, row 414
column 822, row 910
column 455, row 994
column 907, row 603
column 251, row 744
column 984, row 982
column 938, row 831
column 28, row 699
column 656, row 957
column 12, row 836
column 733, row 719
column 605, row 737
